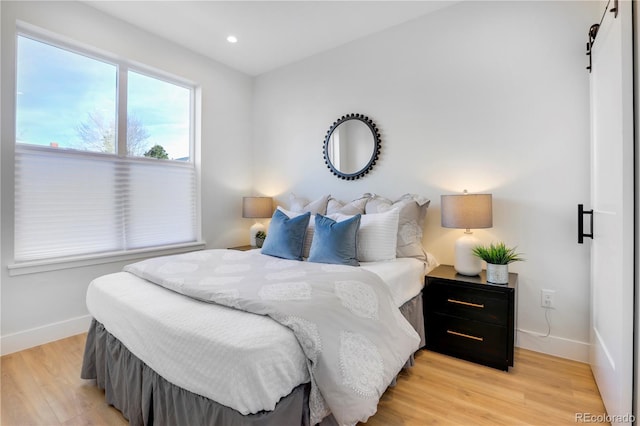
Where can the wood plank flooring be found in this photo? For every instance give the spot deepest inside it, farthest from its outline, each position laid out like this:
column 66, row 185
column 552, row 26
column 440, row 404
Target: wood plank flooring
column 42, row 386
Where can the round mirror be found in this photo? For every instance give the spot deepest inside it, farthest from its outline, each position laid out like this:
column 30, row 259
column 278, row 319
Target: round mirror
column 352, row 146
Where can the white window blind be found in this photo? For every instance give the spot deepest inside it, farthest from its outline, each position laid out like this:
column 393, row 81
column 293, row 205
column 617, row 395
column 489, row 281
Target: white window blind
column 160, row 203
column 72, row 203
column 65, row 205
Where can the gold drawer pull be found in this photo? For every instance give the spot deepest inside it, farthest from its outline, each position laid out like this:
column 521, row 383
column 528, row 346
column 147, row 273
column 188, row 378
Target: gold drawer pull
column 460, row 302
column 468, row 336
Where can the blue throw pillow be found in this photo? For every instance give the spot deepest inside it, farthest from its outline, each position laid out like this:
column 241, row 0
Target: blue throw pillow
column 286, row 236
column 335, row 242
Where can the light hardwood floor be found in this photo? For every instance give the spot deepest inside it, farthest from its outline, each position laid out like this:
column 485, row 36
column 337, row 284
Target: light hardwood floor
column 42, row 386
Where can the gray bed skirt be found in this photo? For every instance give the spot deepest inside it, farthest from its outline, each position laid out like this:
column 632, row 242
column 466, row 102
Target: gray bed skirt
column 146, row 398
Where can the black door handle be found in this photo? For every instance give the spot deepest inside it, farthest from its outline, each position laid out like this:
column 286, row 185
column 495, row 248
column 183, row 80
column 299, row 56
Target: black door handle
column 581, row 233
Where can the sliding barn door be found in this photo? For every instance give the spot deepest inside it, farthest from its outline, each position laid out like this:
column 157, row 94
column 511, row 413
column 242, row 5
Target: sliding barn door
column 612, row 197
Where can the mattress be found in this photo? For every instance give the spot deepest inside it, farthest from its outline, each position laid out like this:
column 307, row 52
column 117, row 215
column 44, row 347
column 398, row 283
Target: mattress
column 243, row 361
column 404, row 276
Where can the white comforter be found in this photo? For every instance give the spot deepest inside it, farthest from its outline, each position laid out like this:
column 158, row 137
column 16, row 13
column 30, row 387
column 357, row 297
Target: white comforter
column 257, row 361
column 243, row 361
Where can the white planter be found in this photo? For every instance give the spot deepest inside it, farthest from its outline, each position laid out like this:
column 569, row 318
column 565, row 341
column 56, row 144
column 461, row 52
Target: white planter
column 497, row 274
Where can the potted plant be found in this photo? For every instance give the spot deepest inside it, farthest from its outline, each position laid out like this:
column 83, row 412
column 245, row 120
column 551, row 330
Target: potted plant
column 498, row 256
column 260, row 236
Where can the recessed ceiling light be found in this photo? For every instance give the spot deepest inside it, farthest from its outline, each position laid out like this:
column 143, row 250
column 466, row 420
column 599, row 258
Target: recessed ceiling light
column 232, row 39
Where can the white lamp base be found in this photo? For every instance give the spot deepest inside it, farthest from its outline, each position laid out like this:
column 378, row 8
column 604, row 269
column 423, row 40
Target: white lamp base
column 466, row 263
column 252, row 232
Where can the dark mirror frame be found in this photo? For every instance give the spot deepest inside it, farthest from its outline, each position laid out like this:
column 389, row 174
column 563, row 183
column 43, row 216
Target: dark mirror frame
column 374, row 156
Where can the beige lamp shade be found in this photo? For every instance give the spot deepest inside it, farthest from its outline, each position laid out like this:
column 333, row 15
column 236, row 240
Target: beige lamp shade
column 257, row 207
column 466, row 211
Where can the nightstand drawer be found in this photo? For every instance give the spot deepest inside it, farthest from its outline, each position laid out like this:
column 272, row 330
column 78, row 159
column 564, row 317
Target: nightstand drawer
column 474, row 304
column 468, row 339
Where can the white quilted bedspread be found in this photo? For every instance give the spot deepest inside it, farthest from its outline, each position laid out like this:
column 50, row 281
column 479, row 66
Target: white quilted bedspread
column 257, row 360
column 182, row 346
column 353, row 335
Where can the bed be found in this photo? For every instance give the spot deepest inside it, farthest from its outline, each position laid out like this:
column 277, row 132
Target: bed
column 167, row 352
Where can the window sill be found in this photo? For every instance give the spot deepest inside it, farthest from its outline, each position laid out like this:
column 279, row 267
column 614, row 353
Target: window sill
column 38, row 266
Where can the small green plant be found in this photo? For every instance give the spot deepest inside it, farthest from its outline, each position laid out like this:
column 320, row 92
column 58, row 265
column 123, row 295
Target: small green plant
column 260, row 236
column 497, row 254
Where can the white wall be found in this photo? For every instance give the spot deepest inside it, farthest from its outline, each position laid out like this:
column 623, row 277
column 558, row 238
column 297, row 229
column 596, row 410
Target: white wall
column 487, row 96
column 46, row 306
column 491, row 97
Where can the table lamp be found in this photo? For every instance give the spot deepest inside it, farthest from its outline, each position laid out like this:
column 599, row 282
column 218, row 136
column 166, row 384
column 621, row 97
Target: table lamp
column 467, row 211
column 256, row 208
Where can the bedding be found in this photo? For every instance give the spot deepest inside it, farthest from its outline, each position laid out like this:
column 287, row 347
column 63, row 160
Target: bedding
column 257, row 361
column 403, row 276
column 412, row 209
column 286, row 235
column 377, row 236
column 280, row 354
column 302, row 205
column 176, row 335
column 354, row 338
column 335, row 242
column 354, row 207
column 145, row 398
column 308, row 236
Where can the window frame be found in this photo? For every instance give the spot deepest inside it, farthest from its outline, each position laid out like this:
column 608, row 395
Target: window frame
column 123, row 66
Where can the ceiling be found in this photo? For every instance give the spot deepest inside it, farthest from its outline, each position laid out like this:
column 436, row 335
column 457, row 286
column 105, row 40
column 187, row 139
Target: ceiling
column 270, row 34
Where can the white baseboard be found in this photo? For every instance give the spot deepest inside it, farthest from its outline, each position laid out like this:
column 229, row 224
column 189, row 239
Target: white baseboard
column 40, row 335
column 552, row 345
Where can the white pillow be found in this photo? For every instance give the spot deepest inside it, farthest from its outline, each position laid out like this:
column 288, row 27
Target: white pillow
column 413, row 209
column 302, row 205
column 377, row 236
column 308, row 236
column 354, row 207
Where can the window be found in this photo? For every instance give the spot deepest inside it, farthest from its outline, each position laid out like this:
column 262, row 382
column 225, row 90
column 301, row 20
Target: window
column 160, row 111
column 104, row 155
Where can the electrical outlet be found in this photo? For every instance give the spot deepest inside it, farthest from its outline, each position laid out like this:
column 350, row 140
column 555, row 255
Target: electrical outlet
column 546, row 299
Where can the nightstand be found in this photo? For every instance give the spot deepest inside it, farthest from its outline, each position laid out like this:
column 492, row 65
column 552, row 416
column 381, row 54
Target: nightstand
column 469, row 318
column 243, row 248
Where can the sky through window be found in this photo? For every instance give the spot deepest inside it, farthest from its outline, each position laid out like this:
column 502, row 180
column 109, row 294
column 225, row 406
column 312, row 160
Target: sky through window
column 68, row 100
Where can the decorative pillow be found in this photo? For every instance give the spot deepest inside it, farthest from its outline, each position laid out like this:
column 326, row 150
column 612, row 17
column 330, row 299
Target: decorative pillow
column 354, row 207
column 377, row 236
column 412, row 210
column 285, row 238
column 302, row 205
column 335, row 242
column 308, row 237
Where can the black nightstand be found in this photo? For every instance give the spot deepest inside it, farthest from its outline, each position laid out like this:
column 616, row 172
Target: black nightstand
column 468, row 318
